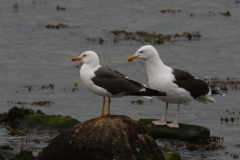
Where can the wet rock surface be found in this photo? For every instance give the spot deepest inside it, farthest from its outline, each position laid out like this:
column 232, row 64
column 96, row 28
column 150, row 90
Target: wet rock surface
column 184, row 132
column 25, row 118
column 111, row 137
column 42, row 122
column 210, row 146
column 14, row 115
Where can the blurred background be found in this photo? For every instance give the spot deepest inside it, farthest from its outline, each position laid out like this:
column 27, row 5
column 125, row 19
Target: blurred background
column 38, row 39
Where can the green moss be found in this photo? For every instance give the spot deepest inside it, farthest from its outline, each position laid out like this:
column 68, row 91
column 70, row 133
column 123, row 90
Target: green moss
column 50, row 119
column 184, row 132
column 47, row 122
column 172, row 156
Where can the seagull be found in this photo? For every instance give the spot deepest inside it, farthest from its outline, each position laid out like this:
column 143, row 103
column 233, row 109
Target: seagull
column 180, row 86
column 107, row 82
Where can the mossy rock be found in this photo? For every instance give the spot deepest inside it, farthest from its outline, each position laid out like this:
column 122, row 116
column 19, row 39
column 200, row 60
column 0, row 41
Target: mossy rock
column 43, row 122
column 172, row 156
column 184, row 132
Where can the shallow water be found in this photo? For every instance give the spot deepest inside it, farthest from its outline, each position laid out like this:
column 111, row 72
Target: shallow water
column 31, row 54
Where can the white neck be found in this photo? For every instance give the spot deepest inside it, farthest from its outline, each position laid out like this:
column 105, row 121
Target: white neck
column 92, row 64
column 87, row 67
column 155, row 70
column 155, row 65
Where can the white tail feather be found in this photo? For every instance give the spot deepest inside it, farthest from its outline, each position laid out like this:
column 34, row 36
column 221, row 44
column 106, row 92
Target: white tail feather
column 146, row 97
column 205, row 99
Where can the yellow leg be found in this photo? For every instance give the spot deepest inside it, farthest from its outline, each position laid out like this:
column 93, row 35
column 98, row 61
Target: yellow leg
column 102, row 114
column 109, row 101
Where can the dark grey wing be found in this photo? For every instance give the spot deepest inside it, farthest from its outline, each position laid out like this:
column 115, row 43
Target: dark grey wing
column 196, row 87
column 116, row 83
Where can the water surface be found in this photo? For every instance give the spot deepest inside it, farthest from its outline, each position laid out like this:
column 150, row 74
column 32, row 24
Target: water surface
column 32, row 54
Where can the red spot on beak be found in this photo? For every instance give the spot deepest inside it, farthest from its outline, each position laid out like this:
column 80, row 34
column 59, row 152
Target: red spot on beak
column 130, row 60
column 75, row 59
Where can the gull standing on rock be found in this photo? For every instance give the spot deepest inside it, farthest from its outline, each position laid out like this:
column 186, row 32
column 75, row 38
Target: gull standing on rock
column 107, row 82
column 180, row 86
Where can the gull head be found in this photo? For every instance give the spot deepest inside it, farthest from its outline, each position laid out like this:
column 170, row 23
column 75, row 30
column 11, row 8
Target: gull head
column 87, row 57
column 145, row 53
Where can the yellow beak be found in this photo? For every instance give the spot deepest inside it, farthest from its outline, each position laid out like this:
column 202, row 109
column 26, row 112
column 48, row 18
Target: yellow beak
column 76, row 59
column 131, row 58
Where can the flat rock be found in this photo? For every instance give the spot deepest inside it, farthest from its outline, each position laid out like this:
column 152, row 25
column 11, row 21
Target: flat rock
column 184, row 132
column 107, row 138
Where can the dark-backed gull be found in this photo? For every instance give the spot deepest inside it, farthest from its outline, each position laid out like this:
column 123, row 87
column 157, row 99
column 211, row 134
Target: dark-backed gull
column 180, row 86
column 107, row 82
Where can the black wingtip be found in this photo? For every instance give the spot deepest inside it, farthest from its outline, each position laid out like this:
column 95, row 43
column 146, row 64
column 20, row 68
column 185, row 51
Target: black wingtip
column 153, row 92
column 148, row 92
column 217, row 90
column 163, row 93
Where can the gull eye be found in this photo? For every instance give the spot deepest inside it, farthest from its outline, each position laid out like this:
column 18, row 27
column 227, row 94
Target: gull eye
column 141, row 52
column 84, row 55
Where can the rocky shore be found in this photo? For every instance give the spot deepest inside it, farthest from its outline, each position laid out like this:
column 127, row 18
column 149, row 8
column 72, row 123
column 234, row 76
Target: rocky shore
column 111, row 137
